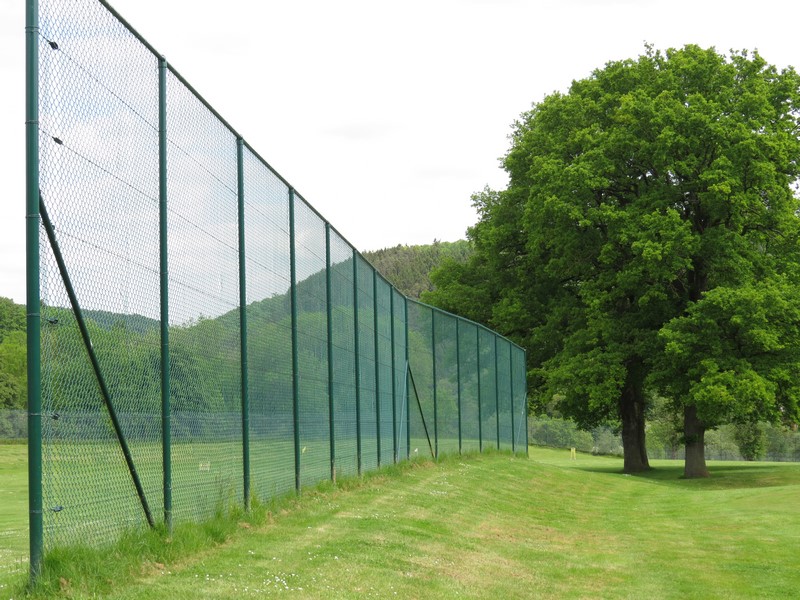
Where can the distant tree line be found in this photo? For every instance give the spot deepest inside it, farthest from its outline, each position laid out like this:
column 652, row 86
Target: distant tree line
column 754, row 441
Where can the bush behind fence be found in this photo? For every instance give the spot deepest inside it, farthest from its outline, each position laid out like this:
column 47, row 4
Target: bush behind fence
column 13, row 425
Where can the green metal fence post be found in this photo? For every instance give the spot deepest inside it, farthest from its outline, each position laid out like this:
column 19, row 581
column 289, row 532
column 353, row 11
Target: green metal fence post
column 243, row 326
column 357, row 337
column 166, row 424
column 408, row 394
column 511, row 385
column 435, row 407
column 480, row 399
column 496, row 392
column 395, row 449
column 525, row 363
column 458, row 381
column 328, row 296
column 32, row 291
column 295, row 364
column 377, row 364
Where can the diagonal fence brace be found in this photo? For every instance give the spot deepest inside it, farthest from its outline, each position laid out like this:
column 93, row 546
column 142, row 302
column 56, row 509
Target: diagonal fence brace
column 421, row 414
column 403, row 407
column 87, row 342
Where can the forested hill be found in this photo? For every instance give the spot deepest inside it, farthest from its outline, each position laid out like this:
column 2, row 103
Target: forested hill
column 408, row 268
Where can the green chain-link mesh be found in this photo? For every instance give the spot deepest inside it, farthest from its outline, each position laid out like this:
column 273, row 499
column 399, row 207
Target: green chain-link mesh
column 372, row 378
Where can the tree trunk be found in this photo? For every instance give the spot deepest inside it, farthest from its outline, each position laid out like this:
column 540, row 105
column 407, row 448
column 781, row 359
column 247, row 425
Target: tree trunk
column 631, row 412
column 694, row 432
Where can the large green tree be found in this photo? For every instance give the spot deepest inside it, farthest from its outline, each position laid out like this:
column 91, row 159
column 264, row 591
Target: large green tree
column 636, row 201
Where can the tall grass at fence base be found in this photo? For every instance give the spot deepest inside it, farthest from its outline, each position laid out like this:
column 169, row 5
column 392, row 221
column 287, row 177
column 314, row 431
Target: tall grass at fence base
column 82, row 571
column 79, row 570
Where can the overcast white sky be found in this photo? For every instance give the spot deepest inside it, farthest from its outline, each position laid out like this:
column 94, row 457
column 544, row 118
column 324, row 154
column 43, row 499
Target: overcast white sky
column 386, row 116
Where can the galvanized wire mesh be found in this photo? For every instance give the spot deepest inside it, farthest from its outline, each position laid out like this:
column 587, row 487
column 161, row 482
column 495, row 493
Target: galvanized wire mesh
column 312, row 350
column 99, row 170
column 368, row 390
column 504, row 398
column 203, row 305
column 287, row 356
column 344, row 356
column 384, row 361
column 447, row 397
column 400, row 374
column 421, row 390
column 470, row 390
column 269, row 320
column 519, row 398
column 488, row 394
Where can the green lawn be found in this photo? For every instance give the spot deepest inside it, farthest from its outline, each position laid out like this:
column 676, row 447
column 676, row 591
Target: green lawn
column 497, row 526
column 13, row 515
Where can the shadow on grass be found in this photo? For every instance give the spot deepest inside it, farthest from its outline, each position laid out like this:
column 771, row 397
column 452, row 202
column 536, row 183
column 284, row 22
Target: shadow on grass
column 723, row 476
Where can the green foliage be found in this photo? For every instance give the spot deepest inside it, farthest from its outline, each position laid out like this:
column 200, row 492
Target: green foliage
column 494, row 286
column 782, row 443
column 664, row 429
column 558, row 433
column 10, row 392
column 13, row 425
column 408, row 268
column 751, row 440
column 606, row 442
column 651, row 212
column 720, row 444
column 12, row 317
column 13, row 374
column 735, row 354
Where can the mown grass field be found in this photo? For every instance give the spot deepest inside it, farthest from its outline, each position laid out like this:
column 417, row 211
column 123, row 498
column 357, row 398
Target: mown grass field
column 495, row 526
column 13, row 515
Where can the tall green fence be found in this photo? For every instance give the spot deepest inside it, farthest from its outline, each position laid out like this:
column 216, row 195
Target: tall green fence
column 201, row 335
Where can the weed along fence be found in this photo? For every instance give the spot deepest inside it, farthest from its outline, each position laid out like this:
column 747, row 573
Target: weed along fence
column 198, row 334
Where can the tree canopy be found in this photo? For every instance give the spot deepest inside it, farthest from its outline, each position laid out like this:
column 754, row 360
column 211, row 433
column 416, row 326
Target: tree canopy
column 648, row 241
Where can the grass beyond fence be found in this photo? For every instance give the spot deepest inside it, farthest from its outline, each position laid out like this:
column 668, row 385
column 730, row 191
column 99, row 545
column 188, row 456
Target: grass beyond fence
column 495, row 526
column 13, row 515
